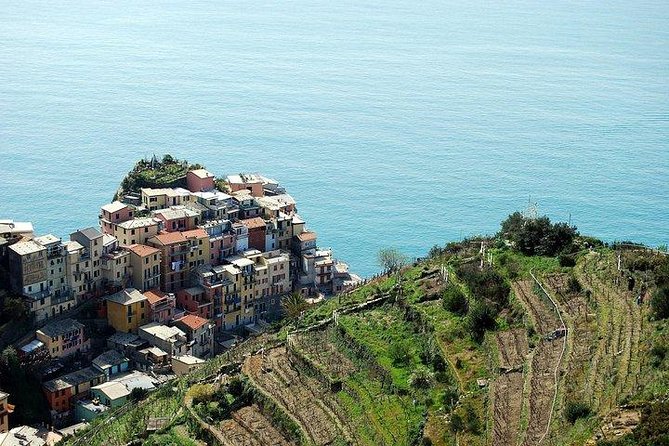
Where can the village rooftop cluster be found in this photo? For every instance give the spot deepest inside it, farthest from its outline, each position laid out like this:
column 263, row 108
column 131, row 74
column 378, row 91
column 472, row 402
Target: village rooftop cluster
column 176, row 273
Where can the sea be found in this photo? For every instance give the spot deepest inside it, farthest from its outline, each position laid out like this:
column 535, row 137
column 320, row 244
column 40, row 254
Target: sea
column 402, row 124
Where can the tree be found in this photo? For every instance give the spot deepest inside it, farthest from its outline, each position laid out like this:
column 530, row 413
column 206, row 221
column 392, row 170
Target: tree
column 293, row 305
column 537, row 236
column 455, row 301
column 449, row 398
column 14, row 309
column 168, row 159
column 138, row 393
column 391, row 260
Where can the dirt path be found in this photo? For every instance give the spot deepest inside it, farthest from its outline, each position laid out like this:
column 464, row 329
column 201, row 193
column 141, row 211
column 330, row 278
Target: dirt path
column 507, row 389
column 250, row 427
column 301, row 396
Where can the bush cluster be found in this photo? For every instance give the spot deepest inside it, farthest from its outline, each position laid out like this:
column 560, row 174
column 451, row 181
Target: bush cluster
column 537, row 236
column 455, row 301
column 575, row 410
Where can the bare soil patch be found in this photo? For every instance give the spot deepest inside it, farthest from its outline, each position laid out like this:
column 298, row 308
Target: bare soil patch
column 250, row 427
column 303, row 397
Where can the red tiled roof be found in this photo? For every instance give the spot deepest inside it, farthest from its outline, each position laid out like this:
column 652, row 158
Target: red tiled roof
column 254, row 223
column 143, row 250
column 197, row 233
column 193, row 321
column 154, row 295
column 307, row 236
column 170, row 238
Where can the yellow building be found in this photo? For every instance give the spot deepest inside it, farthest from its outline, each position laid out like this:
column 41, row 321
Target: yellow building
column 136, row 231
column 239, row 305
column 127, row 310
column 116, row 268
column 154, row 199
column 145, row 262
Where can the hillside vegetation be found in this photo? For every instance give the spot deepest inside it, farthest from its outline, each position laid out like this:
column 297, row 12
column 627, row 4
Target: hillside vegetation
column 155, row 173
column 535, row 336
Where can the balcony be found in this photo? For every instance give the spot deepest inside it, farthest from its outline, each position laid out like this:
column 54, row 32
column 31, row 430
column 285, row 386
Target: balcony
column 66, row 297
column 230, row 300
column 215, row 282
column 180, row 251
column 36, row 295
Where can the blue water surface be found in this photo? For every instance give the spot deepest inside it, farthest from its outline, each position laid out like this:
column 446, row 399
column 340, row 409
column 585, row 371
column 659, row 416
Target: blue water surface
column 393, row 123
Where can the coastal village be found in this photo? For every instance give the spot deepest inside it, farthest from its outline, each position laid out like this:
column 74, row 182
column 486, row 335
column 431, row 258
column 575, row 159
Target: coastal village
column 170, row 277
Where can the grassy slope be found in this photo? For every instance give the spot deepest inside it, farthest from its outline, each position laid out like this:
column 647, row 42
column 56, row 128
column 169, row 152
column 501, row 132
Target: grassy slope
column 379, row 416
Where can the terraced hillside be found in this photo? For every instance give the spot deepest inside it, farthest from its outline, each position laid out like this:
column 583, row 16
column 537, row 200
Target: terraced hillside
column 568, row 355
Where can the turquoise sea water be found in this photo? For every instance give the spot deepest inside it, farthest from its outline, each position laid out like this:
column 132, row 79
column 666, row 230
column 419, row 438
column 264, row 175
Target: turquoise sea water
column 393, row 123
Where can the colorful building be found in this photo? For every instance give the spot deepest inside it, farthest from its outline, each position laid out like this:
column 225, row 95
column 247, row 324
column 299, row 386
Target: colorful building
column 171, row 340
column 200, row 334
column 92, row 241
column 181, row 253
column 145, row 263
column 256, row 230
column 111, row 363
column 200, row 180
column 116, row 266
column 127, row 310
column 112, row 394
column 5, row 410
column 63, row 338
column 162, row 305
column 177, row 218
column 62, row 392
column 113, row 214
column 136, row 231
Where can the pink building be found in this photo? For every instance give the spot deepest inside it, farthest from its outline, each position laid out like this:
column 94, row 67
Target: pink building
column 195, row 301
column 112, row 214
column 252, row 183
column 200, row 180
column 161, row 305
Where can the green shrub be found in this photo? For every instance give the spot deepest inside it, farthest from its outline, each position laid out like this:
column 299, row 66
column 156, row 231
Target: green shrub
column 567, row 261
column 449, row 398
column 421, row 378
column 575, row 410
column 472, row 420
column 457, row 423
column 400, row 353
column 455, row 301
column 485, row 285
column 481, row 318
column 658, row 352
column 574, row 285
column 201, row 393
column 138, row 394
column 660, row 303
column 236, row 387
